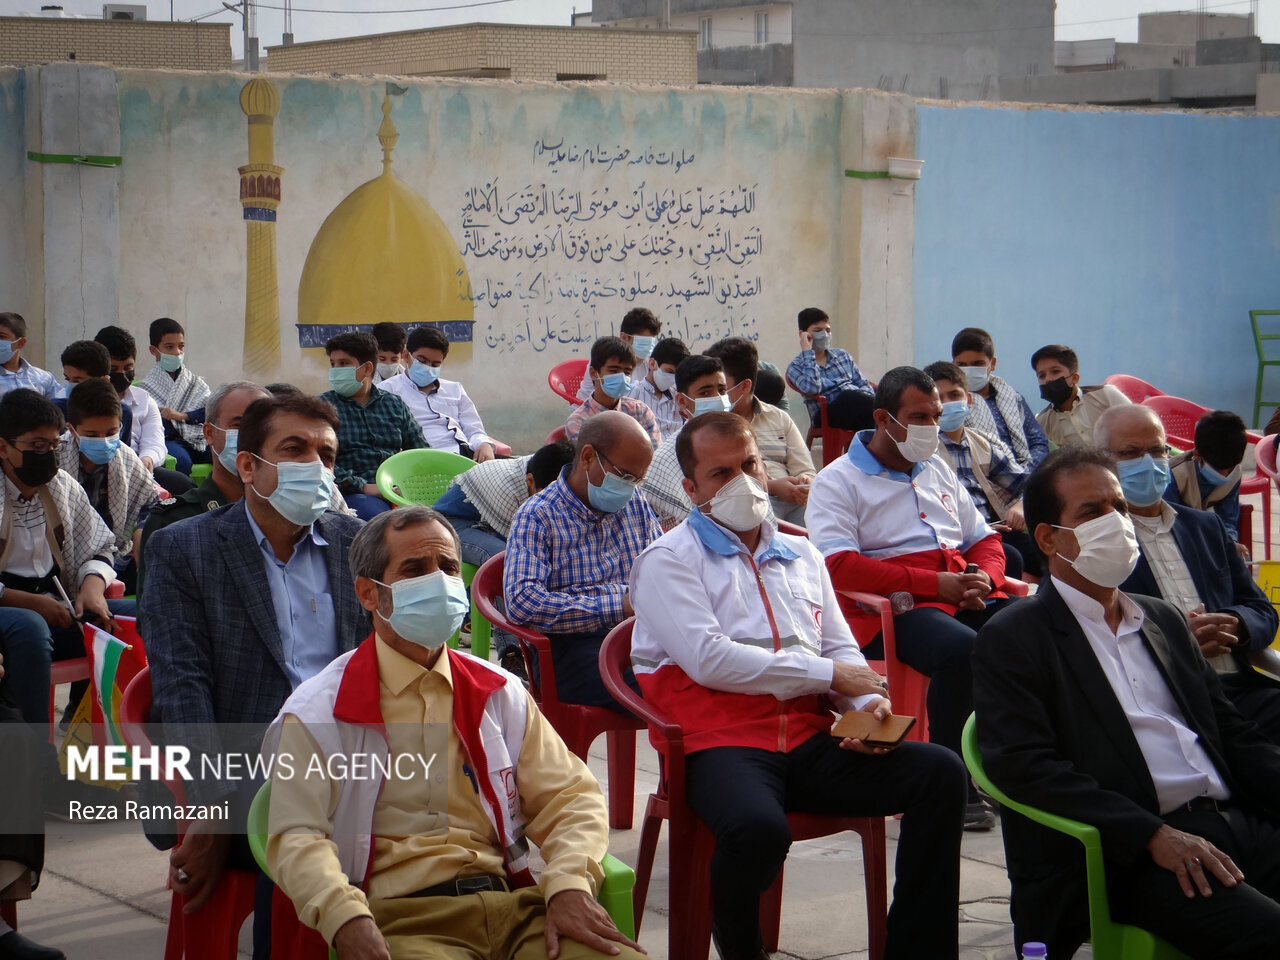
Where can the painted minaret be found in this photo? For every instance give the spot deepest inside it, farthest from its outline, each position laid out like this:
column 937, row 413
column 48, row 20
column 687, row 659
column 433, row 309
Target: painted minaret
column 260, row 197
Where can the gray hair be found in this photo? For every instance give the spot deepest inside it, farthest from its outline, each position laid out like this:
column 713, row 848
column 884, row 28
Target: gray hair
column 369, row 555
column 213, row 406
column 1121, row 413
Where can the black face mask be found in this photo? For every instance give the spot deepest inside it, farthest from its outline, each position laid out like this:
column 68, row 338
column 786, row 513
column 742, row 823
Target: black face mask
column 38, row 467
column 1056, row 391
column 121, row 381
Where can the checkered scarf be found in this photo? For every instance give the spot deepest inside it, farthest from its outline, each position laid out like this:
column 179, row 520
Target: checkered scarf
column 496, row 488
column 129, row 488
column 188, row 392
column 84, row 536
column 980, row 417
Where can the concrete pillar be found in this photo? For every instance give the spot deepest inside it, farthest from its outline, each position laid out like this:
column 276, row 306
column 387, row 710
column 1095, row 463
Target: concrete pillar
column 75, row 110
column 874, row 295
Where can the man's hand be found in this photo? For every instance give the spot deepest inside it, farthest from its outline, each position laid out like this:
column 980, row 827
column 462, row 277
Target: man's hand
column 176, row 416
column 790, row 489
column 1187, row 857
column 1215, row 632
column 806, row 340
column 1015, row 518
column 484, row 452
column 627, row 609
column 149, row 464
column 200, row 859
column 91, row 603
column 1243, row 551
column 883, row 710
column 965, row 591
column 360, row 939
column 848, row 680
column 574, row 914
column 54, row 612
column 371, row 490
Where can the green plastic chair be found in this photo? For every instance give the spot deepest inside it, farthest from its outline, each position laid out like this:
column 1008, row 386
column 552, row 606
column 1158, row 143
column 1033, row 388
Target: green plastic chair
column 171, row 462
column 421, row 477
column 1111, row 940
column 615, row 893
column 1259, row 343
column 200, row 472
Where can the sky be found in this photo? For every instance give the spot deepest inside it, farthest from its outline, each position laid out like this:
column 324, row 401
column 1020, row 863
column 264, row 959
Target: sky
column 1076, row 19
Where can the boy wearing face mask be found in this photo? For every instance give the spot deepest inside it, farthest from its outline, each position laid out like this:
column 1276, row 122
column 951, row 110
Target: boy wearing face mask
column 1073, row 409
column 178, row 392
column 1003, row 413
column 610, row 376
column 117, row 484
column 391, row 350
column 891, row 516
column 655, row 383
column 15, row 370
column 1208, row 476
column 88, row 360
column 446, row 415
column 147, row 438
column 823, row 369
column 639, row 330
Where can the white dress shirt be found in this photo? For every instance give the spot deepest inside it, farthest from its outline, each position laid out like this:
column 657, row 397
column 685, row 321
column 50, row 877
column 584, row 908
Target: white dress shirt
column 446, row 414
column 147, row 439
column 1180, row 768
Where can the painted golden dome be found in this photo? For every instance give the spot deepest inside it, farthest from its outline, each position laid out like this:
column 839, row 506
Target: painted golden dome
column 259, row 98
column 382, row 254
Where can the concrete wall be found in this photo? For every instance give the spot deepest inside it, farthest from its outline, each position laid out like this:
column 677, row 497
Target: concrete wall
column 510, row 51
column 1141, row 240
column 13, row 207
column 1187, row 28
column 148, row 44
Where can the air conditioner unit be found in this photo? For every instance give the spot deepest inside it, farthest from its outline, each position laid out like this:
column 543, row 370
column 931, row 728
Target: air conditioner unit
column 124, row 11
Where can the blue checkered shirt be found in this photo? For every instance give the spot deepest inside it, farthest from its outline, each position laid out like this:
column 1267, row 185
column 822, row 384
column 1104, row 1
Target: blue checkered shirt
column 30, row 377
column 567, row 565
column 839, row 374
column 1005, row 472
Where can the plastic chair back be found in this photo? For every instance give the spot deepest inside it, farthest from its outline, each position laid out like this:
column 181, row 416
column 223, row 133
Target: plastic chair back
column 1111, row 941
column 1179, row 418
column 419, row 477
column 556, row 435
column 1260, row 341
column 565, row 379
column 1133, row 388
column 834, row 440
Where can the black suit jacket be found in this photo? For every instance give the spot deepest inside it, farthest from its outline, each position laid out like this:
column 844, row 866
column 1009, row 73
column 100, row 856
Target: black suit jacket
column 1220, row 576
column 1053, row 735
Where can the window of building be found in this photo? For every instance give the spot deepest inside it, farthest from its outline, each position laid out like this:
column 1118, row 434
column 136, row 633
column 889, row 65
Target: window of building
column 704, row 33
column 762, row 27
column 580, row 76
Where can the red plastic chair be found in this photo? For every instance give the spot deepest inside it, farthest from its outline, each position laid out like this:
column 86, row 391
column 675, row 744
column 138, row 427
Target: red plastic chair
column 556, row 435
column 690, row 844
column 578, row 725
column 834, row 441
column 212, row 932
column 1133, row 388
column 1179, row 418
column 565, row 379
column 1265, row 466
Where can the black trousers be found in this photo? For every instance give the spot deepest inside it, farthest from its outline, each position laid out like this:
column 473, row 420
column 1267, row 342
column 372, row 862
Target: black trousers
column 577, row 667
column 743, row 794
column 1258, row 698
column 1236, row 923
column 851, row 410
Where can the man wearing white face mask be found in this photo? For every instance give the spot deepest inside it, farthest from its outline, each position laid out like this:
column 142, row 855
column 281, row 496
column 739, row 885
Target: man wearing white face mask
column 445, row 854
column 892, row 517
column 739, row 638
column 1097, row 705
column 242, row 604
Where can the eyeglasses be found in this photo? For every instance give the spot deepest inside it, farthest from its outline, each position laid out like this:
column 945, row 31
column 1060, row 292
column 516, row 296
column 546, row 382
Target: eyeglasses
column 37, row 446
column 1161, row 451
column 620, row 474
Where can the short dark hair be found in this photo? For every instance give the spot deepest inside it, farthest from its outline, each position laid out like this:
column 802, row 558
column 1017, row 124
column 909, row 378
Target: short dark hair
column 895, row 383
column 720, row 422
column 972, row 338
column 390, row 336
column 433, row 338
column 946, row 370
column 1056, row 351
column 14, row 323
column 1041, row 501
column 23, row 410
column 255, row 424
column 769, row 387
column 1221, row 439
column 161, row 328
column 809, row 316
column 282, row 390
column 368, row 555
column 695, row 368
column 611, row 348
column 119, row 342
column 362, row 346
column 92, row 398
column 640, row 320
column 739, row 356
column 547, row 462
column 89, row 356
column 670, row 351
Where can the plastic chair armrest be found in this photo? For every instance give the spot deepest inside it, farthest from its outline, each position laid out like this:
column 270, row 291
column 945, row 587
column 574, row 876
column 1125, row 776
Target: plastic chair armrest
column 615, row 894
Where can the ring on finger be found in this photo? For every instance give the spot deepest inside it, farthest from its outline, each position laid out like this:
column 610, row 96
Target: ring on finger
column 183, row 876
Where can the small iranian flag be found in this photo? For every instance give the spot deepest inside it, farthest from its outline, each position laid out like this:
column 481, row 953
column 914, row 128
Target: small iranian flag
column 107, row 651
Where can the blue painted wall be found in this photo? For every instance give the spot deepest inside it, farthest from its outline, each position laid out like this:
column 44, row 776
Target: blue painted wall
column 1141, row 240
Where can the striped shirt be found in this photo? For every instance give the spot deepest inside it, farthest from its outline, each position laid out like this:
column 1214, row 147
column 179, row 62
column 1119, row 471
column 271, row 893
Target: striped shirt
column 635, row 409
column 567, row 565
column 30, row 377
column 1004, row 472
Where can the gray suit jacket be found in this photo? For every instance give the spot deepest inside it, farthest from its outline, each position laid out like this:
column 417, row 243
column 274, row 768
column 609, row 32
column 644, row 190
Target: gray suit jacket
column 210, row 629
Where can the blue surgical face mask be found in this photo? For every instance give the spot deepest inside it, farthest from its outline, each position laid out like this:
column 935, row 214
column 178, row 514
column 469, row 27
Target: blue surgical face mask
column 99, row 450
column 719, row 403
column 6, row 351
column 612, row 494
column 616, row 385
column 170, row 363
column 643, row 347
column 343, row 382
column 427, row 610
column 227, row 457
column 954, row 413
column 303, row 490
column 1143, row 480
column 1212, row 475
column 423, row 375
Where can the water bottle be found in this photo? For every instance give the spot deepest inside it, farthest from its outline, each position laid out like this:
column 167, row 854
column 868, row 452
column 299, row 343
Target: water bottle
column 1034, row 950
column 901, row 601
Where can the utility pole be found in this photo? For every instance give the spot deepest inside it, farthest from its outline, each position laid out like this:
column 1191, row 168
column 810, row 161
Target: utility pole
column 245, row 9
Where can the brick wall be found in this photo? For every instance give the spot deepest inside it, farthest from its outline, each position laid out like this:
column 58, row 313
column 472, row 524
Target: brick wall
column 121, row 43
column 513, row 51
